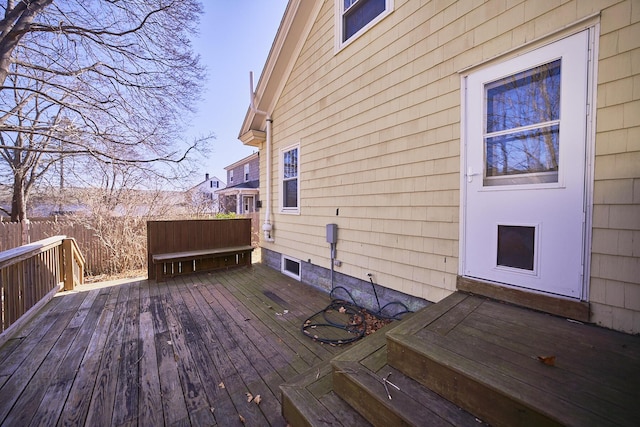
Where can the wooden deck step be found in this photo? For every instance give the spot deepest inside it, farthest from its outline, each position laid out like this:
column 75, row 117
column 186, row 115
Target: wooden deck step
column 348, row 391
column 413, row 404
column 309, row 400
column 488, row 358
column 357, row 379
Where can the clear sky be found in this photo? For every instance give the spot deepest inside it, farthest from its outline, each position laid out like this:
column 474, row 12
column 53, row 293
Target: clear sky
column 235, row 38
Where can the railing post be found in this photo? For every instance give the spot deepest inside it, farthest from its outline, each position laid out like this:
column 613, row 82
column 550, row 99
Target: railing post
column 67, row 264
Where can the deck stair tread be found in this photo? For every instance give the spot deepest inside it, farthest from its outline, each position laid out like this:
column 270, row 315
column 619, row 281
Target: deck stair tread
column 413, row 404
column 309, row 400
column 484, row 356
column 314, row 398
column 469, row 360
column 357, row 378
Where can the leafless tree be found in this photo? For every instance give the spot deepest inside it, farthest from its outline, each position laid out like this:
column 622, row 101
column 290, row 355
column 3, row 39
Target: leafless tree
column 102, row 80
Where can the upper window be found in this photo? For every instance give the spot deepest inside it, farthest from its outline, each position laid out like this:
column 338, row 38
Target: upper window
column 289, row 173
column 246, row 172
column 231, row 175
column 353, row 17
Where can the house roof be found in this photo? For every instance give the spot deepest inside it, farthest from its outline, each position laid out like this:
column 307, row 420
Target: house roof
column 295, row 26
column 249, row 185
column 243, row 161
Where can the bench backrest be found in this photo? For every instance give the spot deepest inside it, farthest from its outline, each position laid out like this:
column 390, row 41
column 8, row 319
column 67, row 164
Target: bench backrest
column 191, row 235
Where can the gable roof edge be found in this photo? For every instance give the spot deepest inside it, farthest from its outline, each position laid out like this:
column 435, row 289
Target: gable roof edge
column 294, row 29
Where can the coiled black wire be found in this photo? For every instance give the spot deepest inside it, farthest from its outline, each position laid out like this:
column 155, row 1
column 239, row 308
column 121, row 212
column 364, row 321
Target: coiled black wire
column 344, row 320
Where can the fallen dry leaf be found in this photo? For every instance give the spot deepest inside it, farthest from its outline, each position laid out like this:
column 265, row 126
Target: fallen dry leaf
column 548, row 360
column 221, row 385
column 242, row 420
column 342, row 310
column 249, row 397
column 257, row 399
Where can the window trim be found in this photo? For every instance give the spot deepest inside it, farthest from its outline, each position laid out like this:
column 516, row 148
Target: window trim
column 283, row 270
column 339, row 23
column 283, row 209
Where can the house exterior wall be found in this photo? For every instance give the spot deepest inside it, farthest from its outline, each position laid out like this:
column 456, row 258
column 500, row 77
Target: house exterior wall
column 204, row 193
column 238, row 171
column 379, row 127
column 210, row 185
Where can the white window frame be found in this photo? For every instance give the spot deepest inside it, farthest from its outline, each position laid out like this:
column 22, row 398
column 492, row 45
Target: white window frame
column 289, row 210
column 339, row 23
column 284, row 258
column 231, row 175
column 246, row 172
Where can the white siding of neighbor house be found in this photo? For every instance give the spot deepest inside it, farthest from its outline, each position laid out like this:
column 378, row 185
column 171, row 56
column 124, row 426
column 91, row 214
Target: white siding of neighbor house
column 379, row 127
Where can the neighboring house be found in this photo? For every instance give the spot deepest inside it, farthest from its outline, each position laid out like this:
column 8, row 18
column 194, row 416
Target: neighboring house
column 241, row 196
column 488, row 146
column 204, row 193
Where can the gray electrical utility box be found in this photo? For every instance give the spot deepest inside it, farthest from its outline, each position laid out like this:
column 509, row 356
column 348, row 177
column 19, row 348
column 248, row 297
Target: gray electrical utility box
column 332, row 233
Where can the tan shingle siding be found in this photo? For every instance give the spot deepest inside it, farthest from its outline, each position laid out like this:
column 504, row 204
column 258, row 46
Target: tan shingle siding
column 379, row 127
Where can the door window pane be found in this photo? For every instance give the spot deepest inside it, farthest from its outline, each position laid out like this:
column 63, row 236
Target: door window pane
column 533, row 151
column 523, row 127
column 516, row 246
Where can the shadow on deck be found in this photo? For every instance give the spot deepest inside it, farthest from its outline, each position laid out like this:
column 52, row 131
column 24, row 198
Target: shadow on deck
column 183, row 352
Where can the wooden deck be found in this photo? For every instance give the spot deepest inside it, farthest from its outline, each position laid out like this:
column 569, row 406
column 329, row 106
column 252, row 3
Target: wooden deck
column 183, row 352
column 188, row 351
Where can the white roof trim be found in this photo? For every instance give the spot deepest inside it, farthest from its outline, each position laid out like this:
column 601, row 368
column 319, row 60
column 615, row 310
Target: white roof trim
column 294, row 29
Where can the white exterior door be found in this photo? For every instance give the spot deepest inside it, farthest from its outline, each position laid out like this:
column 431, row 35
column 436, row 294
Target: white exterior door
column 525, row 142
column 248, row 204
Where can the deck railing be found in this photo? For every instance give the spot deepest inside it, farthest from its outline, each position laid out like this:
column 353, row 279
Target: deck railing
column 31, row 274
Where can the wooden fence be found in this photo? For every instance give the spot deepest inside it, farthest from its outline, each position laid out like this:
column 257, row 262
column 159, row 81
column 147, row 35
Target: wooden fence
column 14, row 234
column 31, row 274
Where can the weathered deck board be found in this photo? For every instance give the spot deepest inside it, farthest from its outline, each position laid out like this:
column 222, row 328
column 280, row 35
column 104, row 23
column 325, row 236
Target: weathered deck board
column 143, row 353
column 104, row 393
column 29, row 356
column 237, row 348
column 79, row 399
column 65, row 373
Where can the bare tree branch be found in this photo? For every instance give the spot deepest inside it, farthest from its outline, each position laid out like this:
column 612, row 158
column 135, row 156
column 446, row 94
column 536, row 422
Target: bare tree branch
column 97, row 80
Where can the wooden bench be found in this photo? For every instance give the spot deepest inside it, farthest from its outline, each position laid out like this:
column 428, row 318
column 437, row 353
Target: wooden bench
column 177, row 263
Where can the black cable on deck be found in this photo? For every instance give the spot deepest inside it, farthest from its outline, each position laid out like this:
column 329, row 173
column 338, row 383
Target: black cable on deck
column 353, row 325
